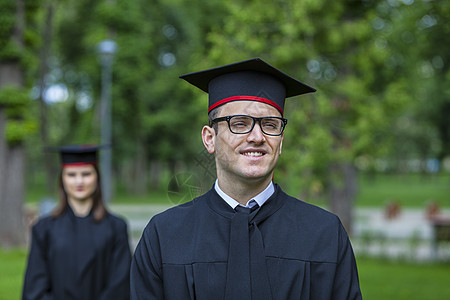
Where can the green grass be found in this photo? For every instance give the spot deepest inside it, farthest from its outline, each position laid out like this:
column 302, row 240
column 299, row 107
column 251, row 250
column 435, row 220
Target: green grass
column 153, row 197
column 12, row 268
column 411, row 190
column 401, row 280
column 379, row 279
column 35, row 194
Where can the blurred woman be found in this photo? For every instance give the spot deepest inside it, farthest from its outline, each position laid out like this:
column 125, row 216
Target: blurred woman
column 81, row 250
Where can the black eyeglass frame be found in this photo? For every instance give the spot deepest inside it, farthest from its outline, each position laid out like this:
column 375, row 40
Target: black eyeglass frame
column 255, row 119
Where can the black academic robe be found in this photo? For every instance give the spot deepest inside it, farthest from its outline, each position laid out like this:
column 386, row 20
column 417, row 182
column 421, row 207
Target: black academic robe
column 183, row 252
column 78, row 258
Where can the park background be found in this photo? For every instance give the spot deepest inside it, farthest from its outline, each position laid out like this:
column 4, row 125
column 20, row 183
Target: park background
column 373, row 143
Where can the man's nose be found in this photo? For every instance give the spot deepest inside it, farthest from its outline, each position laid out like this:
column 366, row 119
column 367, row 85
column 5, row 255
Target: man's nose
column 256, row 135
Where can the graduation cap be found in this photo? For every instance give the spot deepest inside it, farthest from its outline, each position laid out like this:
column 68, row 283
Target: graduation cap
column 77, row 154
column 252, row 79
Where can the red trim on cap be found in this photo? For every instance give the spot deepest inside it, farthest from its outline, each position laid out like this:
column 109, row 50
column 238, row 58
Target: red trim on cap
column 78, row 164
column 251, row 98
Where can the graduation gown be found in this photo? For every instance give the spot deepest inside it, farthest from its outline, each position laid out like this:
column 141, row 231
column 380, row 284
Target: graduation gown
column 77, row 258
column 183, row 252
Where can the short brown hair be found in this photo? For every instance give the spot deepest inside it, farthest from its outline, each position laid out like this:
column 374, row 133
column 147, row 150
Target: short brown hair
column 211, row 116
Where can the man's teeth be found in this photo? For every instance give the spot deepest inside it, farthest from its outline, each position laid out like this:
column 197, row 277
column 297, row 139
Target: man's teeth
column 253, row 153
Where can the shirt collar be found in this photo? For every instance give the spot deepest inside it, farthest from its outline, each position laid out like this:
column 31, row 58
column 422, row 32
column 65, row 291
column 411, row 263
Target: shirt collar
column 261, row 198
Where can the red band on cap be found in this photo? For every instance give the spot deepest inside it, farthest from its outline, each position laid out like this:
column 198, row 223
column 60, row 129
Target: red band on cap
column 250, row 98
column 78, row 164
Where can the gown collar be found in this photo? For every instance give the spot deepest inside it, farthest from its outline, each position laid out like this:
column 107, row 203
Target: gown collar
column 260, row 199
column 218, row 205
column 69, row 211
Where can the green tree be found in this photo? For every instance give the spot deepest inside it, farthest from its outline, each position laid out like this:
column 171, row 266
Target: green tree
column 335, row 47
column 16, row 121
column 368, row 59
column 419, row 35
column 154, row 123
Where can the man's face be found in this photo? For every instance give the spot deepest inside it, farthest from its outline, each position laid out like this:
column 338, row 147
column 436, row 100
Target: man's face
column 249, row 157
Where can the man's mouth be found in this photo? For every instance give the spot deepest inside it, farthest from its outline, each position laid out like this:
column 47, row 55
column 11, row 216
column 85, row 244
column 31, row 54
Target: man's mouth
column 253, row 154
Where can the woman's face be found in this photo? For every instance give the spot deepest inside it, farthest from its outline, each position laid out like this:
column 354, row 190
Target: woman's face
column 80, row 182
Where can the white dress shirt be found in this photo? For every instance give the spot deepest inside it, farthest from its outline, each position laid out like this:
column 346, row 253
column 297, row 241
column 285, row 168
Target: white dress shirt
column 261, row 198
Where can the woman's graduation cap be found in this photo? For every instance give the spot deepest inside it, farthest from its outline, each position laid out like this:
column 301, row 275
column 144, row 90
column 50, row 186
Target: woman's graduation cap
column 77, row 154
column 252, row 79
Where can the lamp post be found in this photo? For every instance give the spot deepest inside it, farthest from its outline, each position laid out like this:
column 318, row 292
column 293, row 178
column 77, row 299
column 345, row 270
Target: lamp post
column 106, row 50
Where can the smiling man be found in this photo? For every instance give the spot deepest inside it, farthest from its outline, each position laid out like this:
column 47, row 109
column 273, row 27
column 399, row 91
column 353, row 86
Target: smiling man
column 245, row 238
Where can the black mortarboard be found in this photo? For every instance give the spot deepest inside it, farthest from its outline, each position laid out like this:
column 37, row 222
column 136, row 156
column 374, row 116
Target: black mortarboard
column 77, row 154
column 251, row 79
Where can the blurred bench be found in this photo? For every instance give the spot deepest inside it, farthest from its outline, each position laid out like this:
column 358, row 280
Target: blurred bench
column 441, row 231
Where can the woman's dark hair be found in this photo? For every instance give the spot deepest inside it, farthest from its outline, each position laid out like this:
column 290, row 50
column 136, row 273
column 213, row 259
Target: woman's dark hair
column 98, row 207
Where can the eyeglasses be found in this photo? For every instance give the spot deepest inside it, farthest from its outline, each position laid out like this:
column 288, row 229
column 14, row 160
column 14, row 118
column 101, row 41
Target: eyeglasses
column 242, row 124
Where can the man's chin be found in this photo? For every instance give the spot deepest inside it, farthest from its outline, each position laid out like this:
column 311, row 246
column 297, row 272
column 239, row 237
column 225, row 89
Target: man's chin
column 257, row 177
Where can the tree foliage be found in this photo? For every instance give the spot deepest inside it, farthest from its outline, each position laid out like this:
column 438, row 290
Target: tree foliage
column 14, row 96
column 21, row 122
column 357, row 54
column 16, row 122
column 377, row 66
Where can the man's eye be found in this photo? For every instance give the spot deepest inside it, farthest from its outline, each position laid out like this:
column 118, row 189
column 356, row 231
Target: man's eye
column 271, row 124
column 239, row 124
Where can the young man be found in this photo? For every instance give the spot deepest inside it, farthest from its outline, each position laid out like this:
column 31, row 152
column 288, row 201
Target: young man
column 245, row 238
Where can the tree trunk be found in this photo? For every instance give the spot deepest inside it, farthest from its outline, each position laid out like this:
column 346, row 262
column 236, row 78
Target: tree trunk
column 3, row 160
column 134, row 173
column 12, row 158
column 138, row 184
column 12, row 225
column 155, row 171
column 343, row 189
column 141, row 171
column 50, row 171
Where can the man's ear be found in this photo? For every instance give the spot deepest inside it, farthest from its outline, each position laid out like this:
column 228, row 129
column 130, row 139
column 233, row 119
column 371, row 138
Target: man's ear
column 209, row 139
